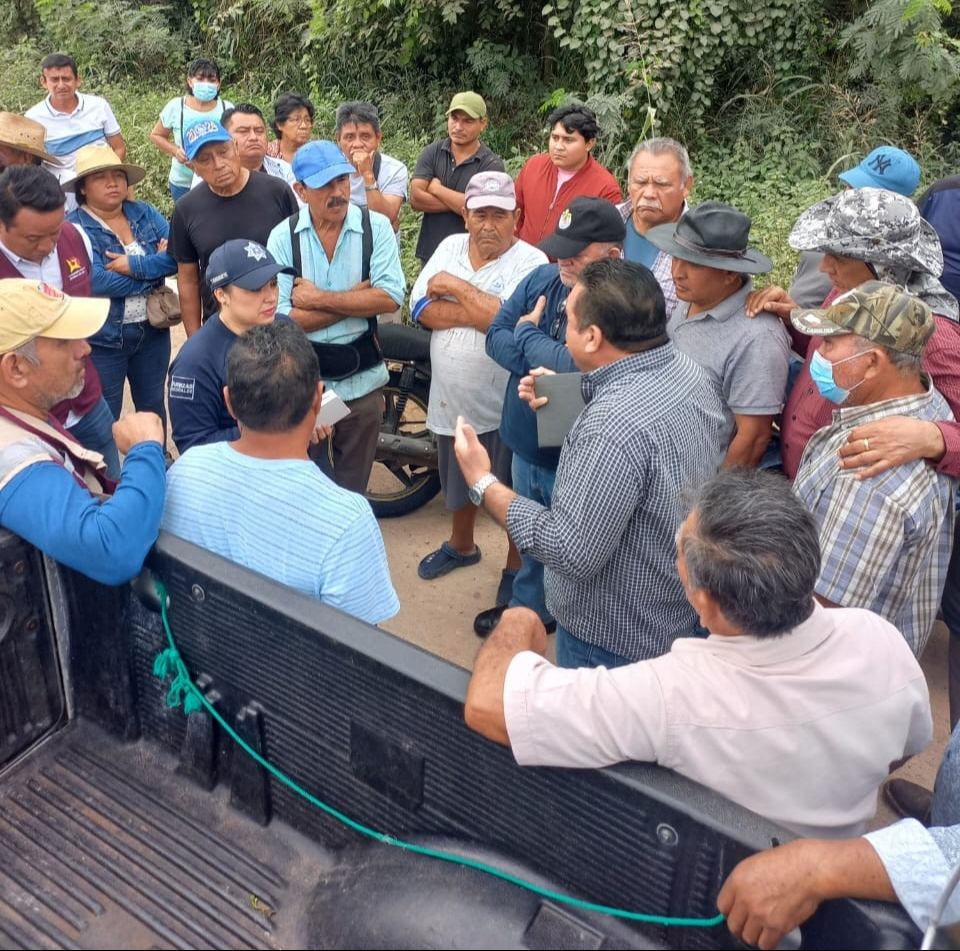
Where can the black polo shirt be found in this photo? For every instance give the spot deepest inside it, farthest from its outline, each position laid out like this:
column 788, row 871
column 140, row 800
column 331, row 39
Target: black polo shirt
column 437, row 161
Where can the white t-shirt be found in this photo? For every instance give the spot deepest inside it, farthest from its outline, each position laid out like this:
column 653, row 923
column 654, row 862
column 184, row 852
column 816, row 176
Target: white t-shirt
column 465, row 380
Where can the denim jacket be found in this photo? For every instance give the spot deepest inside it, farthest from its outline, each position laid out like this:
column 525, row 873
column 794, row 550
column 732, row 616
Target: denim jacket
column 149, row 227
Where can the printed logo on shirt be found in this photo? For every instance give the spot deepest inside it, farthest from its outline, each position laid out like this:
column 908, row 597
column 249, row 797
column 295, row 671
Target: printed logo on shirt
column 565, row 219
column 73, row 265
column 182, row 387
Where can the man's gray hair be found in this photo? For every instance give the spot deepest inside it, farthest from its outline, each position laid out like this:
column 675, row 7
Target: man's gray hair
column 754, row 549
column 358, row 113
column 28, row 351
column 906, row 364
column 664, row 146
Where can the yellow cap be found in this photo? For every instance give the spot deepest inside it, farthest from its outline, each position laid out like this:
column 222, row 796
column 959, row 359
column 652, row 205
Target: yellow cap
column 29, row 309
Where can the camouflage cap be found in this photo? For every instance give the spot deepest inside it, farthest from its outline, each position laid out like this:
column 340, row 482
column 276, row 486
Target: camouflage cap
column 877, row 311
column 872, row 225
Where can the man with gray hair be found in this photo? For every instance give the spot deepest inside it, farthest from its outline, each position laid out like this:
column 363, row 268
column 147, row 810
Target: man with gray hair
column 762, row 710
column 885, row 540
column 659, row 179
column 380, row 182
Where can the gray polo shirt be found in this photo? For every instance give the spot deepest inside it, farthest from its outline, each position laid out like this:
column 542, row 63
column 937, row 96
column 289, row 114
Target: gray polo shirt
column 746, row 357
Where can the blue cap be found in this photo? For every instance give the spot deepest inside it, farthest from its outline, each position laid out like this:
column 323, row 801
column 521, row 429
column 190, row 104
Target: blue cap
column 245, row 263
column 885, row 167
column 201, row 133
column 318, row 163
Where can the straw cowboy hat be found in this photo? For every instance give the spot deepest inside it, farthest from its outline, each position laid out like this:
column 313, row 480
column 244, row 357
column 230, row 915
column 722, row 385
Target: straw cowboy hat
column 96, row 158
column 19, row 132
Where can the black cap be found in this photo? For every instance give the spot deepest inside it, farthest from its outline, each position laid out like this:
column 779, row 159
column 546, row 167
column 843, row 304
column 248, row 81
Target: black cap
column 245, row 263
column 583, row 222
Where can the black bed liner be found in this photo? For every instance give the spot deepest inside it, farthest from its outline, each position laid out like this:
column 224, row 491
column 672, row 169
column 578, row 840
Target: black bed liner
column 102, row 844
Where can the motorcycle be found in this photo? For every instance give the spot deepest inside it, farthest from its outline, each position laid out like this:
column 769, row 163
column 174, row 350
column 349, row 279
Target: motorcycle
column 404, row 475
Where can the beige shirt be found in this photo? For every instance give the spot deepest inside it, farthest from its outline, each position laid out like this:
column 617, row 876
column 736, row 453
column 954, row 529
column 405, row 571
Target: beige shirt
column 800, row 728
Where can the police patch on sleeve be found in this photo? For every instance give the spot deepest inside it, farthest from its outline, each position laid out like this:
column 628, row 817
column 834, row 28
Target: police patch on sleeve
column 182, row 387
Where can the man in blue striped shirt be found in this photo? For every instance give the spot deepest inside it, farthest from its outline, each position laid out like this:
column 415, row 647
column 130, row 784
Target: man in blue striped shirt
column 262, row 503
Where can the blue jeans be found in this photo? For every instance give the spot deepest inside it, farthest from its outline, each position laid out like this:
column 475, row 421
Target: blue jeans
column 143, row 360
column 536, row 483
column 945, row 808
column 177, row 191
column 574, row 652
column 95, row 431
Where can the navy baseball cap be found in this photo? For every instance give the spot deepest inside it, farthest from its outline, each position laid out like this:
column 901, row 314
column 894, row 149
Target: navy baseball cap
column 885, row 167
column 245, row 263
column 201, row 133
column 318, row 163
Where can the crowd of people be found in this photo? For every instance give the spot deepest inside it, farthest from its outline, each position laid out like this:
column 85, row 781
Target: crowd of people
column 741, row 540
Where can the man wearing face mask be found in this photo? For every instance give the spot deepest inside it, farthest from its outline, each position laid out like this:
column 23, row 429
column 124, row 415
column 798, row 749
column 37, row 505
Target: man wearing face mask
column 885, row 541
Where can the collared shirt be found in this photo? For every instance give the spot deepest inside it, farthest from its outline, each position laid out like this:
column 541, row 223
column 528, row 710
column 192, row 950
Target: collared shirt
column 885, row 541
column 768, row 722
column 652, row 427
column 437, row 161
column 48, row 270
column 918, row 862
column 465, row 380
column 343, row 273
column 747, row 358
column 92, row 121
column 663, row 266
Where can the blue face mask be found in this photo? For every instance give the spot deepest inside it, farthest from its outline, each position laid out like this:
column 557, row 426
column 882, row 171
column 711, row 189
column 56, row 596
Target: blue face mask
column 204, row 91
column 821, row 372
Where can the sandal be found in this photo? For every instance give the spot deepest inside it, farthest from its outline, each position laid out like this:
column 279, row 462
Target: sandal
column 444, row 560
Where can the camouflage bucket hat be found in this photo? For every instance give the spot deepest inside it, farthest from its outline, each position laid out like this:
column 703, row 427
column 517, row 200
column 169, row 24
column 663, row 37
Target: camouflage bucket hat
column 873, row 225
column 877, row 311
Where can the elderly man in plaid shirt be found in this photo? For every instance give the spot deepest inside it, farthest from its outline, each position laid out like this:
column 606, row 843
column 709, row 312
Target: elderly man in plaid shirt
column 653, row 425
column 885, row 540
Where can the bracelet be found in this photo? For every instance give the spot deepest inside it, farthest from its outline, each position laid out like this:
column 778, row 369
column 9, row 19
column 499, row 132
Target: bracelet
column 372, row 188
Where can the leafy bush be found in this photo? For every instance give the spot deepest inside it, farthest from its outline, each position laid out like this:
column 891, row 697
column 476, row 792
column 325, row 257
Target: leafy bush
column 112, row 39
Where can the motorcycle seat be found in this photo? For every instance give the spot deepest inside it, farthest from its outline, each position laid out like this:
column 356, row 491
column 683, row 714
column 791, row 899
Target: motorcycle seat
column 403, row 342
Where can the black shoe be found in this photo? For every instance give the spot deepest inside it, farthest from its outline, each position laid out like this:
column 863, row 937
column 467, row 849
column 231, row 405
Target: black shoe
column 909, row 800
column 486, row 621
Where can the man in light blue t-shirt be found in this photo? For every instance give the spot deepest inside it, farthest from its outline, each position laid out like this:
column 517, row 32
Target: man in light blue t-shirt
column 262, row 503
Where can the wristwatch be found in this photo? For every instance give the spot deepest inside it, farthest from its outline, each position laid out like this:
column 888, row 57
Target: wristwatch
column 371, row 188
column 475, row 492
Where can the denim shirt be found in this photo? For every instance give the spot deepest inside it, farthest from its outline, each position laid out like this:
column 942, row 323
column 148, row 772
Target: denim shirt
column 149, row 227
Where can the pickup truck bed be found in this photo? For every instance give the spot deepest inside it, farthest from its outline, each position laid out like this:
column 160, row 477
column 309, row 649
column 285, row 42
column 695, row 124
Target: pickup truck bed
column 125, row 823
column 103, row 844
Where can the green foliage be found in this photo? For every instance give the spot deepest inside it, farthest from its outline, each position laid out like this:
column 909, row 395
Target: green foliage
column 904, row 47
column 681, row 58
column 111, row 39
column 255, row 40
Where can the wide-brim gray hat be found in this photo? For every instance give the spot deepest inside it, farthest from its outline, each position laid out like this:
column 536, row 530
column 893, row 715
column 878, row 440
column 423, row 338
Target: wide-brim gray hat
column 873, row 225
column 712, row 235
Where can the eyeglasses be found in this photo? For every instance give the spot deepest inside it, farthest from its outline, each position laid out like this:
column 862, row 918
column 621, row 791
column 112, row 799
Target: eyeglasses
column 299, row 120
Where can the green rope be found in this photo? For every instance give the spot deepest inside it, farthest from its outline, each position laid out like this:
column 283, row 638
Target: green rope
column 169, row 663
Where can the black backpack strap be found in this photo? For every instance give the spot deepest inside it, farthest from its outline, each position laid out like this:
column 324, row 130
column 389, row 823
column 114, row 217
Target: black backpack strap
column 292, row 222
column 366, row 255
column 377, row 163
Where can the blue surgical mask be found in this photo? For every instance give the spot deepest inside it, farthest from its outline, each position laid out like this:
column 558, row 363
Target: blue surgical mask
column 204, row 91
column 821, row 372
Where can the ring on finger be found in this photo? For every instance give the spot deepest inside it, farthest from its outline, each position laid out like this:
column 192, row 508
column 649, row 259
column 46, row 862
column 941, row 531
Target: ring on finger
column 866, row 445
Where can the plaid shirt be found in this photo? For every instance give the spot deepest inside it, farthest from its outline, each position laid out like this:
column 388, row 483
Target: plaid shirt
column 662, row 266
column 652, row 427
column 885, row 541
